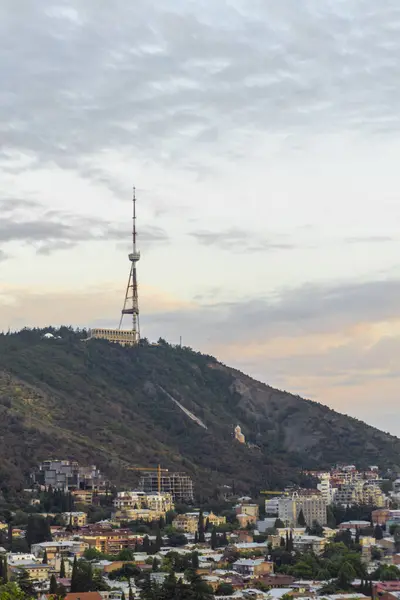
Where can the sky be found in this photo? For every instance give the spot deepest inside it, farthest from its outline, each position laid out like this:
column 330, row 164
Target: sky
column 263, row 138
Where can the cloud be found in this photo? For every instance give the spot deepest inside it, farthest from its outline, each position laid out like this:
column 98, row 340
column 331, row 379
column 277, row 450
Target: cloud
column 239, row 240
column 370, row 239
column 165, row 79
column 52, row 230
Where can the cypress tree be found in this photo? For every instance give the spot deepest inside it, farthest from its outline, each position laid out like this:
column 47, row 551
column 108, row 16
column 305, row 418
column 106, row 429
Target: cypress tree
column 123, row 597
column 196, row 537
column 214, row 539
column 300, row 519
column 53, row 585
column 1, row 569
column 45, row 559
column 74, row 577
column 130, row 593
column 287, row 542
column 200, row 529
column 291, row 544
column 5, row 571
column 62, row 569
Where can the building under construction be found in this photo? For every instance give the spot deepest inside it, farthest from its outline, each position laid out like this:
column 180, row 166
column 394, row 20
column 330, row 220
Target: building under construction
column 179, row 485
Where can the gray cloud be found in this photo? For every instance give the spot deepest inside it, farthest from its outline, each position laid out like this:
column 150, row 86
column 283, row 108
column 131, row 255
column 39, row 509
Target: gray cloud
column 239, row 240
column 313, row 308
column 162, row 79
column 56, row 230
column 370, row 239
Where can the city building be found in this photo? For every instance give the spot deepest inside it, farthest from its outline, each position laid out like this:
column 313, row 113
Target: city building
column 136, row 505
column 272, row 507
column 68, row 475
column 253, row 568
column 76, row 519
column 310, row 502
column 325, row 487
column 360, row 492
column 179, row 485
column 20, row 562
column 188, row 523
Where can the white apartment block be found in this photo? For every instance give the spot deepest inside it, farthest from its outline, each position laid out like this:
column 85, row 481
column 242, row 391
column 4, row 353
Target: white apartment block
column 129, row 500
column 272, row 506
column 312, row 505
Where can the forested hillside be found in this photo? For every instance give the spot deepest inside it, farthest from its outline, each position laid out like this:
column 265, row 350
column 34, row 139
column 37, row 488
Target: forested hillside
column 113, row 406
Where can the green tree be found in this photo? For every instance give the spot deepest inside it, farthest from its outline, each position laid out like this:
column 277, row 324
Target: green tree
column 214, row 538
column 200, row 528
column 11, row 591
column 301, row 522
column 155, row 565
column 346, row 575
column 25, row 583
column 279, row 524
column 45, row 559
column 62, row 569
column 224, row 589
column 378, row 533
column 53, row 585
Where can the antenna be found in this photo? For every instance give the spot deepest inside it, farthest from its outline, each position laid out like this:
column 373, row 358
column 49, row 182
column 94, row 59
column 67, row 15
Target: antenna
column 131, row 303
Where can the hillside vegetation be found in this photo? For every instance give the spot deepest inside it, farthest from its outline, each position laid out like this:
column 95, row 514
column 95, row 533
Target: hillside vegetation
column 119, row 407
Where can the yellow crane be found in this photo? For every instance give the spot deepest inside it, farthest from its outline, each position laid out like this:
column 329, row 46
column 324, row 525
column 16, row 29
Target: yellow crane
column 158, row 469
column 274, row 493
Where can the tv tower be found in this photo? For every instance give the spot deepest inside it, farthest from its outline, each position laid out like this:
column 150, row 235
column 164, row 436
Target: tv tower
column 131, row 303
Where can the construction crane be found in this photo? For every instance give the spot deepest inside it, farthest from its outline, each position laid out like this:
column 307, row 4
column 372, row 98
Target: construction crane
column 158, row 469
column 277, row 492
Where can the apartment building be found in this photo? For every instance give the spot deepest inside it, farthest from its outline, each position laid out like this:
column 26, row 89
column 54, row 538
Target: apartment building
column 360, row 492
column 188, row 523
column 111, row 542
column 68, row 475
column 139, row 506
column 310, row 502
column 253, row 568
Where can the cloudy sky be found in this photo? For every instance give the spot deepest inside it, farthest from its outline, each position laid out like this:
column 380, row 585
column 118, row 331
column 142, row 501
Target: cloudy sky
column 264, row 139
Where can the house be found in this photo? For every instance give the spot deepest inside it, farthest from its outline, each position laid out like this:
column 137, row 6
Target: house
column 309, row 543
column 76, row 519
column 253, row 568
column 84, row 596
column 384, row 589
column 187, row 523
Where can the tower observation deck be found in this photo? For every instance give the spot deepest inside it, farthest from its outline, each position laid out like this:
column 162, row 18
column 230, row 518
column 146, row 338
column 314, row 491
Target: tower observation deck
column 131, row 336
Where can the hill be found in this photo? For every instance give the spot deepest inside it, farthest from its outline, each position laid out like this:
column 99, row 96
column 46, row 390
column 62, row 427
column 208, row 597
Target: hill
column 113, row 406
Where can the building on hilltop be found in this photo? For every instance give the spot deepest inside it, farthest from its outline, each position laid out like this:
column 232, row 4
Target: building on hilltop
column 179, row 485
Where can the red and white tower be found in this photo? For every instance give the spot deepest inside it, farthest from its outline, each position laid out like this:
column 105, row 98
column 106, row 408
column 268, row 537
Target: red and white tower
column 131, row 303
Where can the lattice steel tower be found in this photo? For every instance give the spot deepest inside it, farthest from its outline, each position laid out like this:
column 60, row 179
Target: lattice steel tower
column 131, row 303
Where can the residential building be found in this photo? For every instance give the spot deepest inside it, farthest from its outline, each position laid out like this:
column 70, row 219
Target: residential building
column 380, row 516
column 309, row 543
column 18, row 562
column 272, row 507
column 76, row 519
column 138, row 505
column 111, row 542
column 253, row 568
column 188, row 523
column 214, row 520
column 68, row 475
column 325, row 487
column 311, row 504
column 354, row 525
column 179, row 485
column 360, row 492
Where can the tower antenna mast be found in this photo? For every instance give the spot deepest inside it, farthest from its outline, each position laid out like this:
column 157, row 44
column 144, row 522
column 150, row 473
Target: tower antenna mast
column 131, row 303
